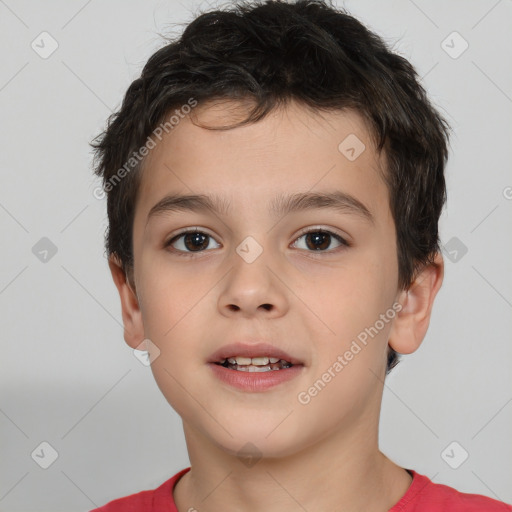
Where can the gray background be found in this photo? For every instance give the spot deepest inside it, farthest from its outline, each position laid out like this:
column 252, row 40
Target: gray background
column 68, row 378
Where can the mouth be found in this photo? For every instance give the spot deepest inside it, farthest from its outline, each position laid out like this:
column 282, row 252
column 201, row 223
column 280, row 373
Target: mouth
column 254, row 367
column 254, row 364
column 253, row 357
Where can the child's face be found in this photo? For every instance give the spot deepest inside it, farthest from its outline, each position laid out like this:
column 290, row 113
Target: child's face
column 309, row 303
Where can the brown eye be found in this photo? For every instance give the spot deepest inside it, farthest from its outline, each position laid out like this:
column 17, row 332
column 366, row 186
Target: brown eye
column 190, row 241
column 320, row 240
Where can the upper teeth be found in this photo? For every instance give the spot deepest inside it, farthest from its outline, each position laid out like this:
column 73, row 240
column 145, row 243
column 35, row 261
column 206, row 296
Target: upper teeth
column 257, row 361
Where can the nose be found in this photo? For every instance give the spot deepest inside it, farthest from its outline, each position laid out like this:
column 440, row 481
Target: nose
column 253, row 289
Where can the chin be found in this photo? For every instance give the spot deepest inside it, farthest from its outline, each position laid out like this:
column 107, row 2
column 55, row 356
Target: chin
column 254, row 448
column 256, row 437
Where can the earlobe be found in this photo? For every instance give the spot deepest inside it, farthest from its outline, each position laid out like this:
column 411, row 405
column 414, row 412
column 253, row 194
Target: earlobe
column 132, row 317
column 411, row 323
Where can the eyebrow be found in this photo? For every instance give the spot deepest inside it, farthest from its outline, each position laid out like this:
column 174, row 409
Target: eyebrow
column 280, row 205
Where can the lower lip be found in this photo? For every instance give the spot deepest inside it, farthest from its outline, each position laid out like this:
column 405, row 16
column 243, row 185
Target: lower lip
column 255, row 381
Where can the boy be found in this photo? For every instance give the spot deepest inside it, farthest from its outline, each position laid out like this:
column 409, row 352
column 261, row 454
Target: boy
column 274, row 183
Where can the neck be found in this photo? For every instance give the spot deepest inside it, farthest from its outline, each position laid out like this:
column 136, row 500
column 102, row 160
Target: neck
column 339, row 473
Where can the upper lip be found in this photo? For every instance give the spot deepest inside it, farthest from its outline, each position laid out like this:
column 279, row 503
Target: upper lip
column 251, row 350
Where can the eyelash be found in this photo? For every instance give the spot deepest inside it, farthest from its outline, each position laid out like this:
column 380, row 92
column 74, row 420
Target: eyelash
column 179, row 252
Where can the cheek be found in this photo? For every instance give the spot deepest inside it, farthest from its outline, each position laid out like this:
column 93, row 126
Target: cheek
column 343, row 377
column 351, row 303
column 167, row 308
column 170, row 295
column 172, row 306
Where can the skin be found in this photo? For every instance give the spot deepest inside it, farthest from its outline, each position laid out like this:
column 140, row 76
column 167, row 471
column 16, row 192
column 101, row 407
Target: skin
column 316, row 305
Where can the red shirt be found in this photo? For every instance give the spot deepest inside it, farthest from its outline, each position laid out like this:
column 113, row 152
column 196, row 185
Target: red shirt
column 422, row 496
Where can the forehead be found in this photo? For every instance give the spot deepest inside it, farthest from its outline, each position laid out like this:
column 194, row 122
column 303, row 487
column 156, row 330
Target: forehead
column 291, row 150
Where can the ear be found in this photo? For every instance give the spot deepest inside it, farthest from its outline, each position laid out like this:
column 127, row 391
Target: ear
column 411, row 323
column 132, row 317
